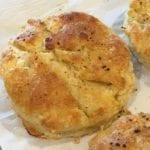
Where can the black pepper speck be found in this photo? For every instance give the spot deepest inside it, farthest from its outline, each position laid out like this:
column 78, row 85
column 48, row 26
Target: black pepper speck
column 117, row 144
column 137, row 130
column 124, row 145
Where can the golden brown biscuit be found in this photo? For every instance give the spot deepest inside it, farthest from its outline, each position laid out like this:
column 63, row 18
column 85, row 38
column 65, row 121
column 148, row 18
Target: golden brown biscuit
column 67, row 75
column 130, row 132
column 137, row 27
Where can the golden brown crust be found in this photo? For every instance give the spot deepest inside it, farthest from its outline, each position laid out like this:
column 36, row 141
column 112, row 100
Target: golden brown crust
column 131, row 132
column 32, row 38
column 103, row 65
column 138, row 28
column 69, row 77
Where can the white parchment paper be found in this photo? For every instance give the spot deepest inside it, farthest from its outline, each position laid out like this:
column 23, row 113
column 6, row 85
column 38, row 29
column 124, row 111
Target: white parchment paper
column 13, row 14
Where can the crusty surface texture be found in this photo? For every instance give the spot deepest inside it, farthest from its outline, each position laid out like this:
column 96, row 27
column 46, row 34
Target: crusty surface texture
column 137, row 27
column 130, row 132
column 67, row 75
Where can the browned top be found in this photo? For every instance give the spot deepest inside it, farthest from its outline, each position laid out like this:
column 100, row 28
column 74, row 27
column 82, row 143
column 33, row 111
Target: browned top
column 82, row 41
column 127, row 133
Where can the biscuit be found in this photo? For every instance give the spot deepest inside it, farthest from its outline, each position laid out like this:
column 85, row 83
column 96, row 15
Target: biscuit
column 130, row 132
column 67, row 75
column 137, row 27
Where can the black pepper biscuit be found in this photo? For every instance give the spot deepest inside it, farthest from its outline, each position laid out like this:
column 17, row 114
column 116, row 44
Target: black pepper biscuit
column 137, row 27
column 67, row 75
column 130, row 132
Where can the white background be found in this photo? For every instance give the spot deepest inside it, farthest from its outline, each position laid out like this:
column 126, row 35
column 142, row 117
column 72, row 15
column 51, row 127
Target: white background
column 13, row 14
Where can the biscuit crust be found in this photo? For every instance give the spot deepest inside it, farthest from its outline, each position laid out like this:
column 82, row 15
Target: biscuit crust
column 67, row 75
